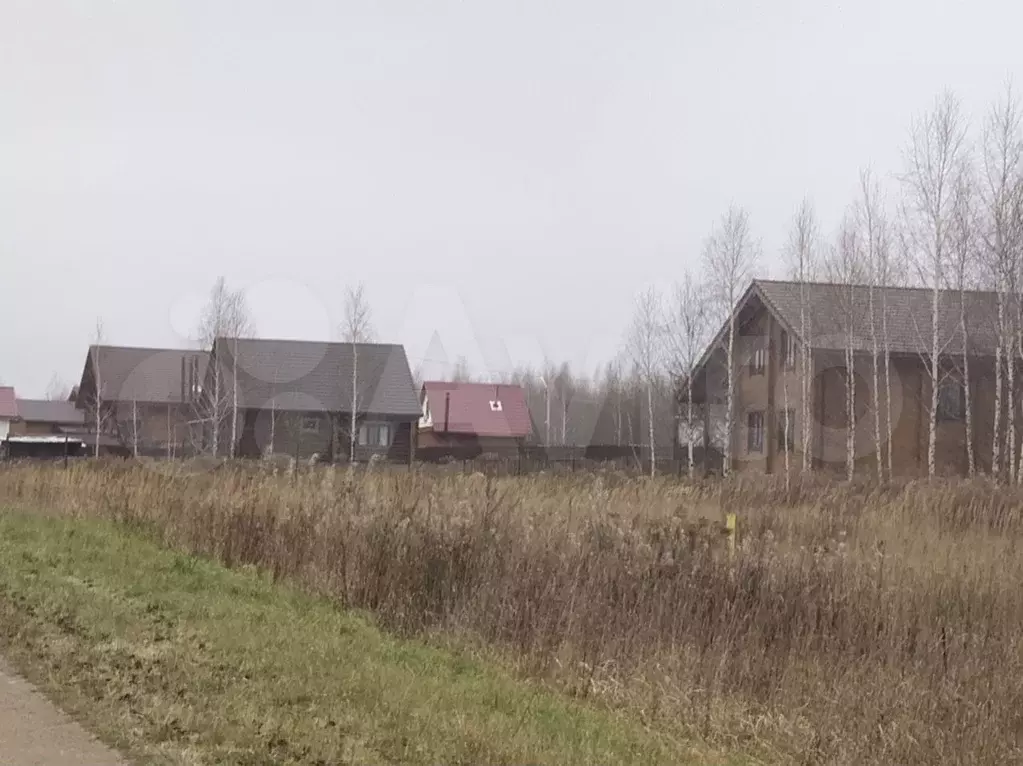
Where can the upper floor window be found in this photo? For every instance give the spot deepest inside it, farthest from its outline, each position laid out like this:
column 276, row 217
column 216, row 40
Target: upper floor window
column 311, row 425
column 755, row 431
column 758, row 360
column 788, row 351
column 951, row 399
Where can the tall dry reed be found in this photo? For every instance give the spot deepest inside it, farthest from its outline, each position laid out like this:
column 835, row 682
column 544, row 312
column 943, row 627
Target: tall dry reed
column 853, row 624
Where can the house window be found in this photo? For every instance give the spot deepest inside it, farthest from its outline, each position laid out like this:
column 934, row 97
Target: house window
column 951, row 396
column 788, row 351
column 495, row 406
column 758, row 361
column 755, row 432
column 787, row 436
column 310, row 425
column 375, row 435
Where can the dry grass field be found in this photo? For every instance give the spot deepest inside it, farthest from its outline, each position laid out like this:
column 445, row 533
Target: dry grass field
column 852, row 624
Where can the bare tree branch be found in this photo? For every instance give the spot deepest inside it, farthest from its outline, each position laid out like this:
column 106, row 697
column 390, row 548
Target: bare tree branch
column 356, row 328
column 935, row 161
column 730, row 255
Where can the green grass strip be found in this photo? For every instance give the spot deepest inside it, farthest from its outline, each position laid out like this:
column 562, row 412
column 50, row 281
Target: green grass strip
column 174, row 659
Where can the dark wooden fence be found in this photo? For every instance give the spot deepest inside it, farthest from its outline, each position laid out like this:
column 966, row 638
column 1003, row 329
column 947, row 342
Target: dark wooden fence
column 634, row 459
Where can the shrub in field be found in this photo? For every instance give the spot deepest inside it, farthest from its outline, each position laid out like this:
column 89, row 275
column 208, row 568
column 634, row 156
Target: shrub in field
column 852, row 623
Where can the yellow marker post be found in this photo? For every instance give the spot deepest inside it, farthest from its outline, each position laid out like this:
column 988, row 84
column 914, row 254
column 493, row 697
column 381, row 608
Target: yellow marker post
column 730, row 531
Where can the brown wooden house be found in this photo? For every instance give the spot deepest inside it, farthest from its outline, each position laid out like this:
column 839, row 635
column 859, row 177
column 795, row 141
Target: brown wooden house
column 296, row 398
column 768, row 377
column 147, row 399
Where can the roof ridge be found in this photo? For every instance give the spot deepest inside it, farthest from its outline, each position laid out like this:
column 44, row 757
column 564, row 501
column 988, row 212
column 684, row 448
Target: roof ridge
column 862, row 285
column 148, row 348
column 306, row 341
column 436, row 382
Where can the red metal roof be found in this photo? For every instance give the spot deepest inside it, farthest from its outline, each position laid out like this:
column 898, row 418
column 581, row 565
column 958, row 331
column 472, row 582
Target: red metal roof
column 481, row 409
column 8, row 403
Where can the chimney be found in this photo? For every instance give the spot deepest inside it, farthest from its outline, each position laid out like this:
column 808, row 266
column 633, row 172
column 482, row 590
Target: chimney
column 447, row 408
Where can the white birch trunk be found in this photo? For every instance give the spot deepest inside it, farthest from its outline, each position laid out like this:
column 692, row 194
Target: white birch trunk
column 689, row 421
column 1010, row 363
column 564, row 421
column 877, row 385
column 215, row 409
column 996, row 431
column 787, row 428
column 99, row 401
column 134, row 428
column 850, row 387
column 726, row 467
column 618, row 423
column 806, row 361
column 234, row 400
column 273, row 424
column 850, row 396
column 970, row 460
column 932, row 431
column 650, row 418
column 353, row 424
column 547, row 416
column 887, row 380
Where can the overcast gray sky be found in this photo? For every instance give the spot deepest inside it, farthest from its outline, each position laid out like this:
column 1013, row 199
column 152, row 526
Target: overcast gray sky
column 507, row 174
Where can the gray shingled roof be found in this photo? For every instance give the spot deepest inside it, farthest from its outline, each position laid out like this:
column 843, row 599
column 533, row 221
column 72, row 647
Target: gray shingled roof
column 314, row 376
column 909, row 312
column 46, row 411
column 151, row 375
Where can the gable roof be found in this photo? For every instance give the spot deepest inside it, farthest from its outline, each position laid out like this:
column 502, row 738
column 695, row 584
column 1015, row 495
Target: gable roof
column 470, row 411
column 315, row 376
column 145, row 375
column 8, row 404
column 46, row 411
column 831, row 309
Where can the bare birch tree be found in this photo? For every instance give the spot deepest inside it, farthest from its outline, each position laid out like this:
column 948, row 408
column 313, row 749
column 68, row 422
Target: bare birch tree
column 57, row 390
column 462, row 372
column 225, row 315
column 644, row 346
column 686, row 334
column 803, row 253
column 545, row 381
column 566, row 390
column 1000, row 189
column 888, row 276
column 934, row 163
column 846, row 269
column 95, row 401
column 873, row 241
column 613, row 396
column 355, row 329
column 963, row 261
column 730, row 255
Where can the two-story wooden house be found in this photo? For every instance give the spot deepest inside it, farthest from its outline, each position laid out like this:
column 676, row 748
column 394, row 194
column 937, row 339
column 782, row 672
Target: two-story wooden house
column 768, row 377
